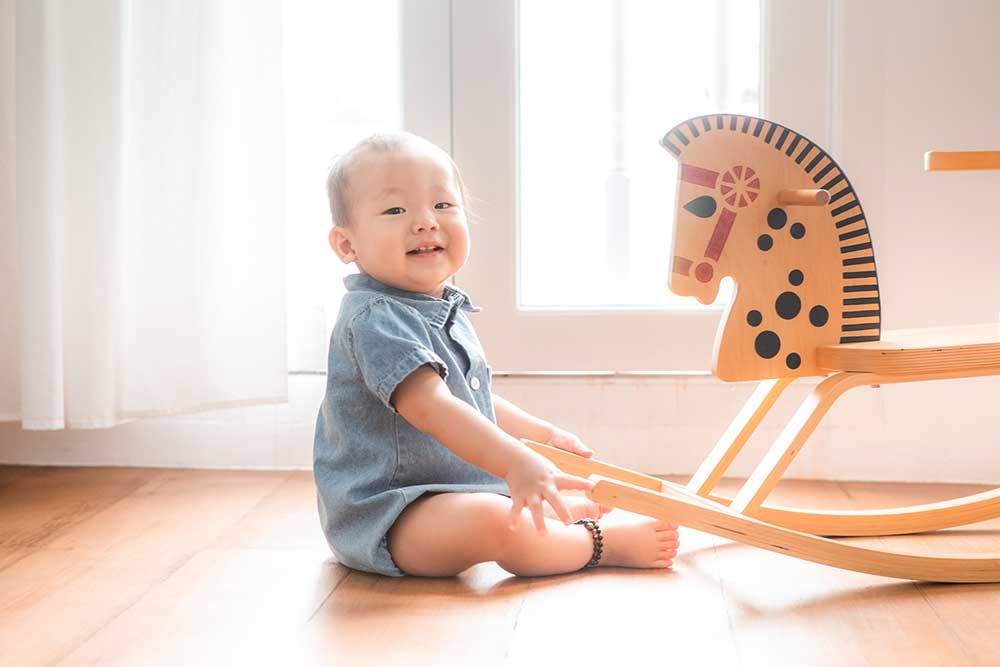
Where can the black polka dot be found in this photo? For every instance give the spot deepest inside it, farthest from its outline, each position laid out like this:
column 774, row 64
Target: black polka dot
column 798, row 230
column 767, row 344
column 793, row 361
column 818, row 316
column 764, row 242
column 776, row 218
column 788, row 305
column 796, row 277
column 754, row 318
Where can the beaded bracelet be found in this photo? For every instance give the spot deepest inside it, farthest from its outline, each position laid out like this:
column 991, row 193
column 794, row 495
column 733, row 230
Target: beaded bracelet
column 595, row 532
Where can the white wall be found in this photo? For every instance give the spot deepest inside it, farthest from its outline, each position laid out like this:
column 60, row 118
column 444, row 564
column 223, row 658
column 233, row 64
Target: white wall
column 905, row 77
column 922, row 432
column 916, row 76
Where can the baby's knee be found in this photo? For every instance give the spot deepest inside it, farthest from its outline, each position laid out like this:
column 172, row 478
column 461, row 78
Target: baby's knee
column 493, row 513
column 446, row 533
column 514, row 534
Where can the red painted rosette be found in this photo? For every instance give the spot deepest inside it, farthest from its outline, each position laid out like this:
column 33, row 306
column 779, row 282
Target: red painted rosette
column 739, row 186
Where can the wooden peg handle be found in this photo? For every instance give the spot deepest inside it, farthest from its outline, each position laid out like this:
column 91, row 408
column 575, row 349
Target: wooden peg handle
column 804, row 197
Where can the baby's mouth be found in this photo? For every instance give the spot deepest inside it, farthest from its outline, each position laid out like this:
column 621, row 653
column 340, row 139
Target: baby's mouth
column 425, row 250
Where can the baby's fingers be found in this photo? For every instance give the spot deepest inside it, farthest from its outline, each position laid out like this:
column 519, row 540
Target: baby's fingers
column 557, row 503
column 565, row 482
column 538, row 514
column 515, row 512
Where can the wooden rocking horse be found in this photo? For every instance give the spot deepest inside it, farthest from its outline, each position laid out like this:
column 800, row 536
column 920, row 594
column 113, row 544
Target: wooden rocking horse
column 762, row 203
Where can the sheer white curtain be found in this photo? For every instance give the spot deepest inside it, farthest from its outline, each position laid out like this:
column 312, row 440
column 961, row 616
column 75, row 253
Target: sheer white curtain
column 142, row 261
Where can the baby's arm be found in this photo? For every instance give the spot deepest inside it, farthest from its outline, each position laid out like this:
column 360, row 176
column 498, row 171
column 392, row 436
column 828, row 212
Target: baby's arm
column 425, row 401
column 521, row 424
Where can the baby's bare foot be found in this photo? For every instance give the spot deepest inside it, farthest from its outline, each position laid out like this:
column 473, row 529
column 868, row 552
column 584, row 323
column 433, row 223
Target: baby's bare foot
column 580, row 507
column 633, row 540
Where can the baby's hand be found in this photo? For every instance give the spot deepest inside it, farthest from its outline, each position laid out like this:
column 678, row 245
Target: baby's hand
column 567, row 441
column 532, row 480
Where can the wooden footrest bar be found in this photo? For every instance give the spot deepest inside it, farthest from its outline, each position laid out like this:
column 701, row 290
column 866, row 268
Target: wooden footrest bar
column 795, row 532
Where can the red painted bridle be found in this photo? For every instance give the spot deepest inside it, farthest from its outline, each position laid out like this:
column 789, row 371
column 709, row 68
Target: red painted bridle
column 739, row 187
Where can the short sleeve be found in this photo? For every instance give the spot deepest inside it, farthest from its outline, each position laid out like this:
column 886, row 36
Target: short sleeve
column 391, row 340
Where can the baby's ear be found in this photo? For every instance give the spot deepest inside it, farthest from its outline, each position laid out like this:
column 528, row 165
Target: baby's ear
column 341, row 244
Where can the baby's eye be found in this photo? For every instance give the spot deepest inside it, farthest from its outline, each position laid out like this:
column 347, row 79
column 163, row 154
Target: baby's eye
column 443, row 205
column 395, row 210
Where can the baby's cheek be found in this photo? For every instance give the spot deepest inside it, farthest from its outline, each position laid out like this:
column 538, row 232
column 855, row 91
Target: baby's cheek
column 460, row 246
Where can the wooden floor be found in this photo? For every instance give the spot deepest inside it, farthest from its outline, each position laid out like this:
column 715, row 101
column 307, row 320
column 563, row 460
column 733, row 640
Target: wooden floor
column 187, row 567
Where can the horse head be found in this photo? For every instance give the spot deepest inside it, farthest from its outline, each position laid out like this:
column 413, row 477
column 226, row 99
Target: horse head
column 765, row 205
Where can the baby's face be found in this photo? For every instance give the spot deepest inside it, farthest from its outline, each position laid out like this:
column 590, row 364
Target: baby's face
column 408, row 227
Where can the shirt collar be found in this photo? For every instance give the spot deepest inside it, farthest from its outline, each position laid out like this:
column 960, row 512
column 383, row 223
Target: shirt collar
column 437, row 311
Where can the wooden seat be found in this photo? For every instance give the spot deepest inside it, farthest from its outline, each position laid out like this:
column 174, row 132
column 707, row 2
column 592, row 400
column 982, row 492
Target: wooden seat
column 910, row 350
column 768, row 207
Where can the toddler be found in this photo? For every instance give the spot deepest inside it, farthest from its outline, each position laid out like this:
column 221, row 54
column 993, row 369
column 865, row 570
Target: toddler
column 417, row 463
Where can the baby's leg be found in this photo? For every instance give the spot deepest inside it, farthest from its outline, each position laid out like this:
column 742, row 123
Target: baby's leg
column 443, row 534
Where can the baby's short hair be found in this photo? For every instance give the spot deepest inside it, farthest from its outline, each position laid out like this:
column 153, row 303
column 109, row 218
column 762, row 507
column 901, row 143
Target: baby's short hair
column 338, row 180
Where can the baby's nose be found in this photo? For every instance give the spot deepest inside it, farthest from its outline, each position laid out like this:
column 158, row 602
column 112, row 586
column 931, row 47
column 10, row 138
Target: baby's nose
column 425, row 220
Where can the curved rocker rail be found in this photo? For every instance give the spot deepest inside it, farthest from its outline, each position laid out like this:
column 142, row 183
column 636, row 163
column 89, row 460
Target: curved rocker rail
column 891, row 521
column 707, row 516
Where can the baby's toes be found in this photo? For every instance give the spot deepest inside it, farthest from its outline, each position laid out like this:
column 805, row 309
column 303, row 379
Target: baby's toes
column 667, row 529
column 668, row 544
column 668, row 538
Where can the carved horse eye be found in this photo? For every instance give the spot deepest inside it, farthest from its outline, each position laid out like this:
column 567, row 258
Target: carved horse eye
column 703, row 207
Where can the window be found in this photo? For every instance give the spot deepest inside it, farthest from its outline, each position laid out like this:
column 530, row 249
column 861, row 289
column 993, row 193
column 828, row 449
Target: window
column 599, row 83
column 551, row 101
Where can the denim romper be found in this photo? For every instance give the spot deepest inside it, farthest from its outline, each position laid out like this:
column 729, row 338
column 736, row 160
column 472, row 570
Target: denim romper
column 369, row 462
